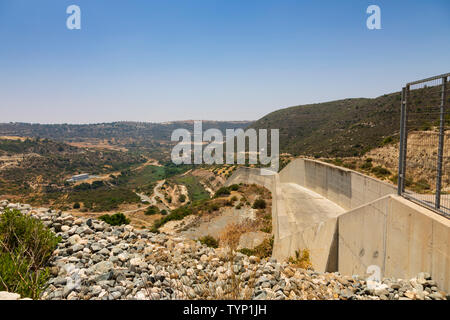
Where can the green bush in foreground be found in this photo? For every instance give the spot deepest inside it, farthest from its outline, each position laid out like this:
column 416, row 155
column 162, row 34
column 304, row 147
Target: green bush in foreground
column 116, row 219
column 26, row 245
column 209, row 241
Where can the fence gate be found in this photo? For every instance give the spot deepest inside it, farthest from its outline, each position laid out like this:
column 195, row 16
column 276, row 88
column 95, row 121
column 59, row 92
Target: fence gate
column 424, row 153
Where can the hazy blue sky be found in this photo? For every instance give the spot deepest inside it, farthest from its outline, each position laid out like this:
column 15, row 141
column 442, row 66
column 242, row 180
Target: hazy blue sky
column 208, row 59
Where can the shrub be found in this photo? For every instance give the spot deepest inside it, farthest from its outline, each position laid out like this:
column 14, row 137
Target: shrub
column 302, row 259
column 264, row 250
column 213, row 207
column 426, row 126
column 231, row 234
column 76, row 205
column 421, row 186
column 152, row 210
column 234, row 187
column 387, row 140
column 379, row 171
column 182, row 198
column 177, row 214
column 26, row 245
column 349, row 165
column 424, row 183
column 224, row 191
column 97, row 184
column 267, row 228
column 209, row 241
column 116, row 219
column 366, row 165
column 163, row 212
column 259, row 204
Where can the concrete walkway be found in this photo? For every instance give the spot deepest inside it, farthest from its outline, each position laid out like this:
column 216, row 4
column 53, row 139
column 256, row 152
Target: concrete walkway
column 307, row 207
column 304, row 208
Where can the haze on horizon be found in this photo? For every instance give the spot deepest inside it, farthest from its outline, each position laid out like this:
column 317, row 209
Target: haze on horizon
column 159, row 61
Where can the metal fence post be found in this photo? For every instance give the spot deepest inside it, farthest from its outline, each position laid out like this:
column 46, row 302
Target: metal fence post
column 405, row 136
column 441, row 145
column 400, row 176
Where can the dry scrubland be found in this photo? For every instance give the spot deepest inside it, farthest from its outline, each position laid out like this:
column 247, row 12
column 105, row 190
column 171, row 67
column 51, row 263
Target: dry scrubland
column 382, row 162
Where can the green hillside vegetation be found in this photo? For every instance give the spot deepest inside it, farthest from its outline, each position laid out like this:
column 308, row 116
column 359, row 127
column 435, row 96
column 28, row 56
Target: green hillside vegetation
column 103, row 198
column 39, row 176
column 134, row 132
column 348, row 127
column 49, row 164
column 109, row 195
column 195, row 190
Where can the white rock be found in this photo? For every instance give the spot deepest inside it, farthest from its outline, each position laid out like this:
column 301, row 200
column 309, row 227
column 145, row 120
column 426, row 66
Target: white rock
column 141, row 295
column 102, row 294
column 136, row 261
column 75, row 239
column 123, row 256
column 4, row 295
column 111, row 239
column 102, row 267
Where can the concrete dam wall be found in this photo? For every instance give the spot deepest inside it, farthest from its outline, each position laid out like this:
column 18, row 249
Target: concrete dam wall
column 350, row 221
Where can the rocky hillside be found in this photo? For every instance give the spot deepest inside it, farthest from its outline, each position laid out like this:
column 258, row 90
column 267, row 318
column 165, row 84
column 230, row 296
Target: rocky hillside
column 97, row 261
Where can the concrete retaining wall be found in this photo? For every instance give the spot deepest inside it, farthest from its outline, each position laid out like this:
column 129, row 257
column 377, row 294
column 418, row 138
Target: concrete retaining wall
column 347, row 188
column 379, row 228
column 397, row 235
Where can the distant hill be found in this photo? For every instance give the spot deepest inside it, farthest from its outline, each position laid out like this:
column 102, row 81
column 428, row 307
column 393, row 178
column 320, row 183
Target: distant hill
column 114, row 130
column 343, row 128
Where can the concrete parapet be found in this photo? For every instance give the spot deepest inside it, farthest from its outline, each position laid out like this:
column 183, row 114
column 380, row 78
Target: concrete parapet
column 347, row 188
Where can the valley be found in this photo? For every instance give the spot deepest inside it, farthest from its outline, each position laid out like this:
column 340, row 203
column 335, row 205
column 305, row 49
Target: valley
column 114, row 187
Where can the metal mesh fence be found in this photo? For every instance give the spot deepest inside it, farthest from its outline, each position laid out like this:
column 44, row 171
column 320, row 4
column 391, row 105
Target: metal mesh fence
column 424, row 162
